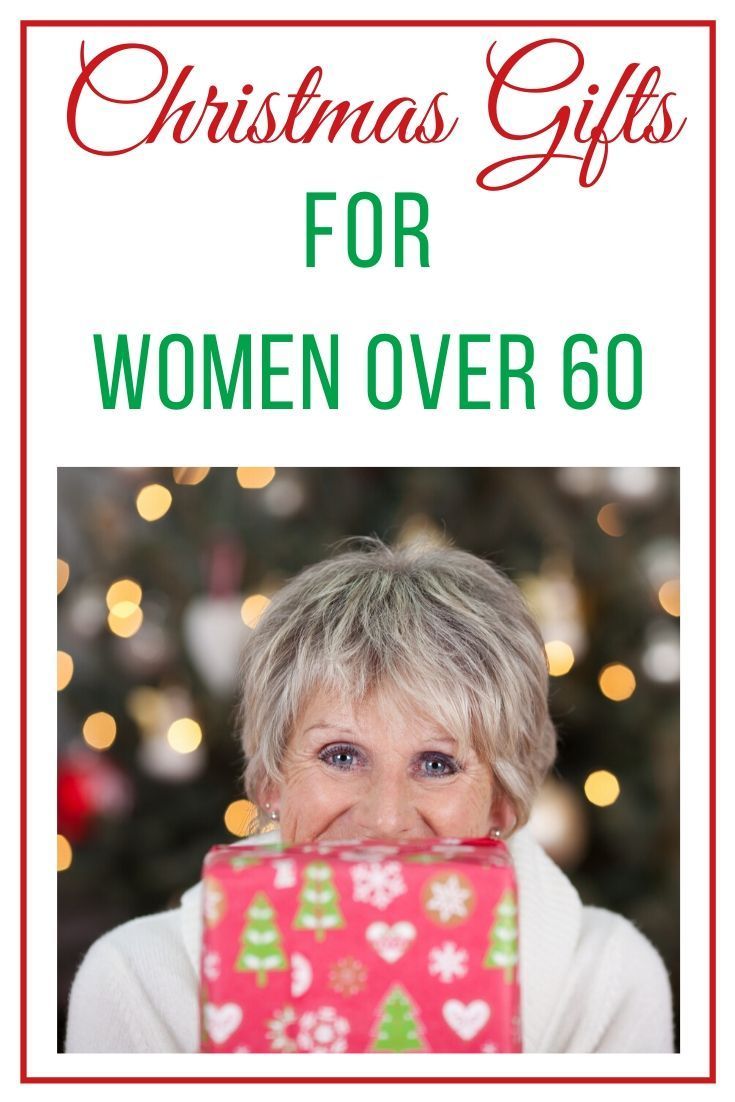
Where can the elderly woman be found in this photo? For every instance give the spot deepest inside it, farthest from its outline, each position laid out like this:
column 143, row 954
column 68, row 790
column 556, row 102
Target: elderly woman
column 397, row 694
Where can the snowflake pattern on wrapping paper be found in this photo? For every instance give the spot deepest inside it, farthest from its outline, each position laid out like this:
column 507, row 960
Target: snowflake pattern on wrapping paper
column 449, row 900
column 322, row 1030
column 347, row 976
column 448, row 961
column 489, row 1046
column 377, row 883
column 278, row 1030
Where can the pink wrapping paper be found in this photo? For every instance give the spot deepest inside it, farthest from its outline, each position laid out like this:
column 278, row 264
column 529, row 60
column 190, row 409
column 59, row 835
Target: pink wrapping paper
column 360, row 947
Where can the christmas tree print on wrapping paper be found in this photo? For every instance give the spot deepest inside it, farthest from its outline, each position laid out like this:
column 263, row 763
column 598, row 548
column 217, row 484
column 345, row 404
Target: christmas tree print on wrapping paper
column 318, row 902
column 261, row 950
column 503, row 949
column 398, row 1026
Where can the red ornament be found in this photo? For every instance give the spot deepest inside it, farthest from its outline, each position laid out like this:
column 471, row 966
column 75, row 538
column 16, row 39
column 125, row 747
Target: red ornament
column 89, row 785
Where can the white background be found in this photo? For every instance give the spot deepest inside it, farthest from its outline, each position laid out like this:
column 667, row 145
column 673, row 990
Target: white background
column 196, row 240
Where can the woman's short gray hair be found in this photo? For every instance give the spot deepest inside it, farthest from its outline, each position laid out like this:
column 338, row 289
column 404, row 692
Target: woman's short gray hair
column 440, row 630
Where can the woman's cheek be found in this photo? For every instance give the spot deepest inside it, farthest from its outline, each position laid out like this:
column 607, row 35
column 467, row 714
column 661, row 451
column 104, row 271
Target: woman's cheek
column 461, row 809
column 311, row 799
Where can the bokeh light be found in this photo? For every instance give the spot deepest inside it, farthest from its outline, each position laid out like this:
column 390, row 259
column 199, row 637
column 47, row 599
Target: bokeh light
column 661, row 658
column 62, row 575
column 634, row 482
column 184, row 735
column 64, row 855
column 123, row 591
column 99, row 730
column 669, row 597
column 285, row 496
column 239, row 817
column 616, row 681
column 253, row 608
column 64, row 669
column 610, row 520
column 153, row 501
column 602, row 788
column 560, row 657
column 559, row 822
column 420, row 528
column 125, row 619
column 190, row 476
column 255, row 478
column 144, row 705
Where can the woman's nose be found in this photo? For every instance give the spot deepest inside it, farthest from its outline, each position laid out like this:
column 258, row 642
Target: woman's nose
column 386, row 811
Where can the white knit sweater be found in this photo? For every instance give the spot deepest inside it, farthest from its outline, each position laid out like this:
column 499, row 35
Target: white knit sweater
column 590, row 982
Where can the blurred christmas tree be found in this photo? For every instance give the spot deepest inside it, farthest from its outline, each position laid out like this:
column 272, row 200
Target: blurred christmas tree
column 162, row 574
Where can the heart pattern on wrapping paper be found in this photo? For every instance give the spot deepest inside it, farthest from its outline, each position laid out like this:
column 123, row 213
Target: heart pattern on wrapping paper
column 466, row 1019
column 221, row 1022
column 390, row 942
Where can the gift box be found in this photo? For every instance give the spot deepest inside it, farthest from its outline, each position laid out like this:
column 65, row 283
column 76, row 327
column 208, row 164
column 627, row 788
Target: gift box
column 360, row 947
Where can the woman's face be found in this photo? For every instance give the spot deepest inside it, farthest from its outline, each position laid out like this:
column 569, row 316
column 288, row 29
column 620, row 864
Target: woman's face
column 369, row 771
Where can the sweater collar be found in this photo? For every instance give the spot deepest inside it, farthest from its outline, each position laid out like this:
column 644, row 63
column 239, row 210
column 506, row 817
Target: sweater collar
column 550, row 914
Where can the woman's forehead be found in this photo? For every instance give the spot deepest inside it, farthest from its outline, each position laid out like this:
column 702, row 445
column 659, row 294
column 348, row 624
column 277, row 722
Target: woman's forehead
column 329, row 711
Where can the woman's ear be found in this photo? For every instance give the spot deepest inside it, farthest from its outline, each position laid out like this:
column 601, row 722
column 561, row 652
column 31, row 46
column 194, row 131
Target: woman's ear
column 503, row 816
column 268, row 796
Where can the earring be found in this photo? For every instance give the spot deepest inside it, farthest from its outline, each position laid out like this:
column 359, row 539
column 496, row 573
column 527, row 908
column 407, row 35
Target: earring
column 496, row 834
column 273, row 814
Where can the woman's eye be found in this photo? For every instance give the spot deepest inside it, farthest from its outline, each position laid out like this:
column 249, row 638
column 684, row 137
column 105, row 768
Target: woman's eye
column 342, row 757
column 435, row 765
column 347, row 758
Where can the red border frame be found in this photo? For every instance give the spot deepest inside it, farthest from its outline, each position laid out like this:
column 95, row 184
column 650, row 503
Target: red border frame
column 24, row 26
